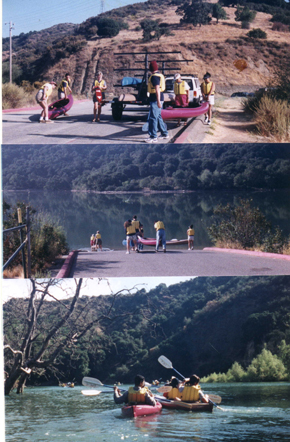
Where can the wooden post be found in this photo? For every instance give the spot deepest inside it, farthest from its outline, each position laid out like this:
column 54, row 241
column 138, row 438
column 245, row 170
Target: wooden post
column 28, row 243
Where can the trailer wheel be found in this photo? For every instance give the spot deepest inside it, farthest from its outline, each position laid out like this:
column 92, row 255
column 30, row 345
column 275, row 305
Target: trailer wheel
column 117, row 110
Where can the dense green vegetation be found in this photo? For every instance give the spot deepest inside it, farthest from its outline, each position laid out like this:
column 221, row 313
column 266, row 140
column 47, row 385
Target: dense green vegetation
column 245, row 227
column 47, row 238
column 203, row 326
column 134, row 167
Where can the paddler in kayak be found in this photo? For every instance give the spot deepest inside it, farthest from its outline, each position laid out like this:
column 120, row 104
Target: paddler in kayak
column 176, row 391
column 181, row 91
column 191, row 392
column 139, row 394
column 42, row 99
column 98, row 88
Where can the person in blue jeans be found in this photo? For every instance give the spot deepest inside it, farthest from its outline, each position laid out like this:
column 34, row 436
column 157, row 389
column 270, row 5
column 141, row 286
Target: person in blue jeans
column 160, row 235
column 156, row 86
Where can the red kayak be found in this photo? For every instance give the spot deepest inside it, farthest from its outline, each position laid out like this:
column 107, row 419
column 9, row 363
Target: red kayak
column 60, row 107
column 152, row 241
column 187, row 406
column 141, row 410
column 173, row 113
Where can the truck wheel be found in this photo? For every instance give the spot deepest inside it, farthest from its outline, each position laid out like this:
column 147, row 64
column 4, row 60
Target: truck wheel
column 117, row 111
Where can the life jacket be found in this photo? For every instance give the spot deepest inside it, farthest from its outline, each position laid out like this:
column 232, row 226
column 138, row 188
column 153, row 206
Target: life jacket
column 48, row 91
column 64, row 83
column 159, row 225
column 206, row 87
column 98, row 236
column 190, row 393
column 137, row 395
column 136, row 224
column 179, row 88
column 101, row 84
column 173, row 393
column 130, row 230
column 151, row 88
column 190, row 232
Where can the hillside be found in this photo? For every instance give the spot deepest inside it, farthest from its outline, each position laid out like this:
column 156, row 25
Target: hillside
column 131, row 168
column 212, row 48
column 202, row 325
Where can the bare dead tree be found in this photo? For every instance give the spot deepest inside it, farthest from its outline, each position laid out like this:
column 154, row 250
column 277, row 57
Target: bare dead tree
column 46, row 332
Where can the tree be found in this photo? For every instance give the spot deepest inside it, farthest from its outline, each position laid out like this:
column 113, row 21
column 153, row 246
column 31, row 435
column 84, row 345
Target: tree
column 218, row 12
column 38, row 332
column 244, row 15
column 152, row 30
column 107, row 27
column 241, row 226
column 195, row 12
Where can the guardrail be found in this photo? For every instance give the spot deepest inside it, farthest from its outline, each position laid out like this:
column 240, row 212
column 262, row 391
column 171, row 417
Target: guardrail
column 24, row 242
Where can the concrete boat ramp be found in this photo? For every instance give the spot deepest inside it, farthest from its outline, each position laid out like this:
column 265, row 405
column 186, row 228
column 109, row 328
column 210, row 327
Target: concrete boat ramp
column 205, row 262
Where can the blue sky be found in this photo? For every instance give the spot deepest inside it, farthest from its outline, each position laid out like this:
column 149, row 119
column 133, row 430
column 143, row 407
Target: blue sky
column 34, row 15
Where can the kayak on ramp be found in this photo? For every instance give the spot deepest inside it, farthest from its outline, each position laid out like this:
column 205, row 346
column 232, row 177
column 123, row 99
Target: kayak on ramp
column 172, row 113
column 60, row 107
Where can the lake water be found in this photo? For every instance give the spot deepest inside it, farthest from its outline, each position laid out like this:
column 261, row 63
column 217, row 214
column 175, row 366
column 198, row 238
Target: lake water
column 82, row 214
column 252, row 413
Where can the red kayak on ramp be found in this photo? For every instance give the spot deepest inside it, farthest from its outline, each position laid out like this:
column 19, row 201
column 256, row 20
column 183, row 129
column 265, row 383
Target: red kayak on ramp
column 152, row 241
column 187, row 406
column 60, row 107
column 141, row 410
column 173, row 113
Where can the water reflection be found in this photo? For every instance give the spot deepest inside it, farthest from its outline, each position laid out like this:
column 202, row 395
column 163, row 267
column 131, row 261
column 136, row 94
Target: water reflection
column 81, row 214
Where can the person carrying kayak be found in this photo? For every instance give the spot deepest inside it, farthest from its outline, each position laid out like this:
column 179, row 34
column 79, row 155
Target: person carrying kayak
column 160, row 235
column 139, row 394
column 64, row 88
column 130, row 232
column 181, row 91
column 42, row 99
column 190, row 237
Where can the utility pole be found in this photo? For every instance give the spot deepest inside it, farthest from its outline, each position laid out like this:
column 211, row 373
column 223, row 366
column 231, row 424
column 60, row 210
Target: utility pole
column 102, row 6
column 10, row 49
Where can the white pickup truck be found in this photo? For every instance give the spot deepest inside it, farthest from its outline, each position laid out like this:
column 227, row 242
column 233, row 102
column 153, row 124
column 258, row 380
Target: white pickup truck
column 195, row 95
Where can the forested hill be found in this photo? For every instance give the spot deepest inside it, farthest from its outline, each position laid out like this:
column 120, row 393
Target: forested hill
column 202, row 325
column 133, row 168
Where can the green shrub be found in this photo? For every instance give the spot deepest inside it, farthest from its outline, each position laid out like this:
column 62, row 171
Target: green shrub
column 257, row 33
column 245, row 24
column 266, row 367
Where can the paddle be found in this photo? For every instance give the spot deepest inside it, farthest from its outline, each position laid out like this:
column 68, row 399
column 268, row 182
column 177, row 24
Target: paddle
column 164, row 389
column 89, row 382
column 91, row 392
column 163, row 360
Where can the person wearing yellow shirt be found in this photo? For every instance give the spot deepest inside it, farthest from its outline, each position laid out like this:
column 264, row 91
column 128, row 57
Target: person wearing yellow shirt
column 99, row 240
column 42, row 99
column 208, row 90
column 190, row 237
column 160, row 235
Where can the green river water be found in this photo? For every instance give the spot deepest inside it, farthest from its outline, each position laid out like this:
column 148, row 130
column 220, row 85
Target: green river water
column 251, row 413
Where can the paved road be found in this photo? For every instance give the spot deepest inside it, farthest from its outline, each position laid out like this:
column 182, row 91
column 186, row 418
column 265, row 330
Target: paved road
column 175, row 263
column 22, row 127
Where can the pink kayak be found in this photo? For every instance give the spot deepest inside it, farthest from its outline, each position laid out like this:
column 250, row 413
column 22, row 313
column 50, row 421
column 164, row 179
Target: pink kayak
column 60, row 107
column 141, row 410
column 173, row 113
column 152, row 241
